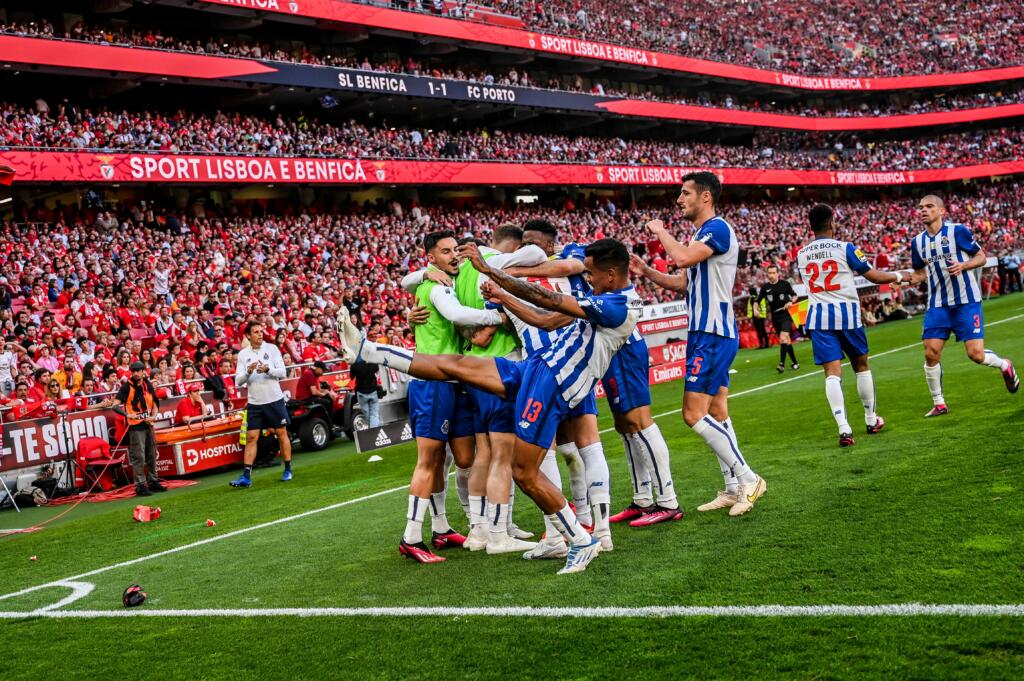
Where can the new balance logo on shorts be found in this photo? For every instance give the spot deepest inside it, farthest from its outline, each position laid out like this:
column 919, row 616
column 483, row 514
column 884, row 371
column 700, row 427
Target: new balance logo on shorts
column 524, row 424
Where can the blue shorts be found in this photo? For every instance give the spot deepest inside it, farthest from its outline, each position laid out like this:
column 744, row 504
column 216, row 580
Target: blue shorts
column 964, row 320
column 708, row 360
column 830, row 346
column 627, row 381
column 464, row 420
column 587, row 406
column 432, row 409
column 491, row 414
column 540, row 406
column 261, row 416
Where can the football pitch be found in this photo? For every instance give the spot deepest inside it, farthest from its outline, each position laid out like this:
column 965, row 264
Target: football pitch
column 901, row 557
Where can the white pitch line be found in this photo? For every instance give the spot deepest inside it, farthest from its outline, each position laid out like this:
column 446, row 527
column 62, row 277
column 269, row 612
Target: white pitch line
column 201, row 542
column 890, row 610
column 332, row 507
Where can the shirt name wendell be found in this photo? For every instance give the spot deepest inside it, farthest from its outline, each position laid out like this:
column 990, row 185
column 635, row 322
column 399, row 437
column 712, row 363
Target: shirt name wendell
column 184, row 168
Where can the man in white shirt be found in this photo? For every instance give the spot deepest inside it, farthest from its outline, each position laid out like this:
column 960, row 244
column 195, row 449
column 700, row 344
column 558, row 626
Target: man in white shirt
column 261, row 368
column 8, row 366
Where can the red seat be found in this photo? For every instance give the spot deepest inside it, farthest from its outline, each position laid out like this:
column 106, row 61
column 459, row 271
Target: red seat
column 98, row 463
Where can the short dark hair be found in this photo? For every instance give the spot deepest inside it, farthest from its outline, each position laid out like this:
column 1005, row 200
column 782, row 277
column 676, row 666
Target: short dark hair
column 609, row 254
column 706, row 181
column 508, row 231
column 319, row 365
column 249, row 327
column 431, row 240
column 820, row 216
column 543, row 226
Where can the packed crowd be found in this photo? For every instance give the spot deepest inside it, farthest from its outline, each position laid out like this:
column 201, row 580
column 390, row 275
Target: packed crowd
column 347, row 57
column 84, row 292
column 70, row 126
column 844, row 37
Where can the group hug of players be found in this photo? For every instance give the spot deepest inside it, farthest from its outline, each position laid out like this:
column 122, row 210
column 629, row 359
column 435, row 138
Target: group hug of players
column 511, row 341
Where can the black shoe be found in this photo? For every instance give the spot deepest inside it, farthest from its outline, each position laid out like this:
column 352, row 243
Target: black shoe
column 781, row 368
column 157, row 486
column 142, row 491
column 796, row 366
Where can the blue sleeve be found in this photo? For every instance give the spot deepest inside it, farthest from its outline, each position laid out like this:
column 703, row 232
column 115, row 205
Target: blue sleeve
column 916, row 261
column 855, row 259
column 574, row 252
column 715, row 234
column 965, row 240
column 607, row 309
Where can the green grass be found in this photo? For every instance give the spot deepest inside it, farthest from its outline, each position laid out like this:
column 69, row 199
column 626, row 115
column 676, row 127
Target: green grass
column 928, row 511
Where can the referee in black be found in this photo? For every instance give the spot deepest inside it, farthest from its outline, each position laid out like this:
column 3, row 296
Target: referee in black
column 779, row 293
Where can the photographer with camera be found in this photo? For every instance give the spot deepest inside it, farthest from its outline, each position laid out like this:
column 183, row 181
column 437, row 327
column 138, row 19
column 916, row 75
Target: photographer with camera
column 137, row 402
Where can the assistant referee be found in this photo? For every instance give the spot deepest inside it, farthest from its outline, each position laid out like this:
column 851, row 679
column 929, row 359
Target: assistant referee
column 261, row 368
column 779, row 293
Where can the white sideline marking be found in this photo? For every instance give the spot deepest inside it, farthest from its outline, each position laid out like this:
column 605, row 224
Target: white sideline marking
column 78, row 590
column 201, row 542
column 892, row 610
column 332, row 507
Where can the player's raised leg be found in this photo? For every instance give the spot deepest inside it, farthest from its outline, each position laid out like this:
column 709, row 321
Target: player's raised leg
column 480, row 372
column 977, row 352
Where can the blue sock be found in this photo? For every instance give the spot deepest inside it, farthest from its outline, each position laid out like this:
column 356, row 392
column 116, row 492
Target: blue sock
column 288, row 465
column 247, row 472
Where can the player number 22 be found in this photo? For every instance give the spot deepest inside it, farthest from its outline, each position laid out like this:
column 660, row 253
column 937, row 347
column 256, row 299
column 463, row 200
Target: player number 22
column 830, row 268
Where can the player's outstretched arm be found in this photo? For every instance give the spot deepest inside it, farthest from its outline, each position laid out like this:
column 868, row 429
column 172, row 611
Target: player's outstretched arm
column 880, row 277
column 669, row 282
column 549, row 268
column 541, row 319
column 684, row 256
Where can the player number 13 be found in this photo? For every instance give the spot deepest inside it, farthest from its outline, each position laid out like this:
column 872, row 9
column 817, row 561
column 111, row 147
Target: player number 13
column 830, row 268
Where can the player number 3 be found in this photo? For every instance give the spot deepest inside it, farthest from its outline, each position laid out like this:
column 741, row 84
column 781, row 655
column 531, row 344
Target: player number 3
column 830, row 269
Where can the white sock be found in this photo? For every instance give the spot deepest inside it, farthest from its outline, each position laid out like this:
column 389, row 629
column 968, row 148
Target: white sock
column 439, row 512
column 477, row 510
column 568, row 526
column 639, row 472
column 732, row 485
column 724, row 447
column 598, row 476
column 866, row 390
column 834, row 395
column 549, row 467
column 934, row 377
column 392, row 356
column 511, row 503
column 462, row 489
column 995, row 361
column 414, row 519
column 653, row 446
column 496, row 518
column 577, row 480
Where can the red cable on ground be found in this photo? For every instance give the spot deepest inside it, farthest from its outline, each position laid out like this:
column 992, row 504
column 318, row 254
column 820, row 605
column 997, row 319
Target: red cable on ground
column 119, row 493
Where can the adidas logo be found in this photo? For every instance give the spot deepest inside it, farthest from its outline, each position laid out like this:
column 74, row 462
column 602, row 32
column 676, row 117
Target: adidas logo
column 382, row 439
column 406, row 433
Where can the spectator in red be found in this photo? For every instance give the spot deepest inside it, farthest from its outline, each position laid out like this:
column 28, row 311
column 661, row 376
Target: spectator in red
column 192, row 408
column 309, row 388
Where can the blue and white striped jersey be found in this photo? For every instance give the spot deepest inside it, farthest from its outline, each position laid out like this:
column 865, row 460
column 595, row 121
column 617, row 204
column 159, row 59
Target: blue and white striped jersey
column 952, row 243
column 581, row 353
column 578, row 282
column 710, row 282
column 827, row 266
column 535, row 340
